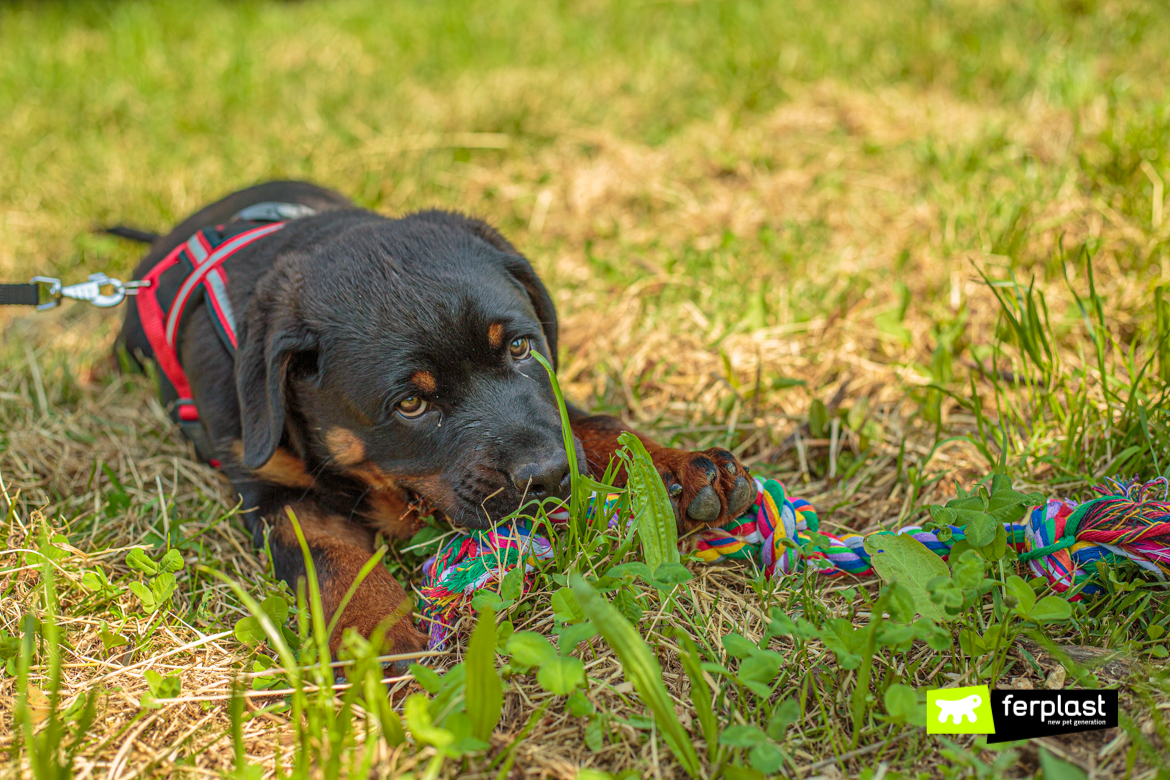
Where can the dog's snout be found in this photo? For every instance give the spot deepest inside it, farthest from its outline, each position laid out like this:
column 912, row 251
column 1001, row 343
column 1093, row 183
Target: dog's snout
column 544, row 478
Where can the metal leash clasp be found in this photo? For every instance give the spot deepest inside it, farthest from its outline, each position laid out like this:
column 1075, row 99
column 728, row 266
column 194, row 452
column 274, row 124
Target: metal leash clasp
column 52, row 291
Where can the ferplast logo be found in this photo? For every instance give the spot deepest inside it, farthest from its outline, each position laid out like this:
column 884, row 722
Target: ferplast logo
column 959, row 711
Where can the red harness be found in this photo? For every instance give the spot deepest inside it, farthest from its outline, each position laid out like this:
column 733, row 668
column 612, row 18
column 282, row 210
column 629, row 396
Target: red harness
column 192, row 269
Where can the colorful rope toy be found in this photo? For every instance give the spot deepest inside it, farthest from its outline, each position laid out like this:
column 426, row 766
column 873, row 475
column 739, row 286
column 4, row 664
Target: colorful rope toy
column 1060, row 541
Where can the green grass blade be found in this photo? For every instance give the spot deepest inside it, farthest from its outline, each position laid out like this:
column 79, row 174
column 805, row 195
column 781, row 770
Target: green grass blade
column 700, row 694
column 641, row 668
column 484, row 693
column 570, row 444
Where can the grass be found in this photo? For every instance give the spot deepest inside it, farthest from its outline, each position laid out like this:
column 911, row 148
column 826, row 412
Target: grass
column 876, row 249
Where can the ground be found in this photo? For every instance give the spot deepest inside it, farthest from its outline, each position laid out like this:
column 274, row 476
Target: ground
column 878, row 250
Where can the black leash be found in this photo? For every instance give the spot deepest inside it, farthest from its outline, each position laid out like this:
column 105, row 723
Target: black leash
column 20, row 295
column 45, row 292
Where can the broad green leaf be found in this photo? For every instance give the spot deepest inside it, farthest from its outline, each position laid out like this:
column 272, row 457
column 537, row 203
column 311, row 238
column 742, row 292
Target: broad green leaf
column 565, row 606
column 109, row 639
column 945, row 595
column 144, row 595
column 786, row 713
column 574, row 635
column 901, row 702
column 742, row 736
column 904, row 559
column 512, row 586
column 163, row 586
column 489, row 601
column 428, row 678
column 595, row 735
column 530, row 648
column 593, row 774
column 738, row 646
column 760, row 668
column 418, row 719
column 897, row 635
column 627, row 603
column 967, row 570
column 138, row 560
column 1059, row 769
column 561, row 675
column 632, row 569
column 899, row 602
column 781, row 624
column 653, row 512
column 1024, row 595
column 1051, row 609
column 972, row 644
column 172, row 561
column 579, row 705
column 276, row 608
column 672, row 574
column 935, row 636
column 998, row 547
column 766, row 757
column 640, row 665
column 248, row 631
column 484, row 693
column 845, row 641
column 980, row 529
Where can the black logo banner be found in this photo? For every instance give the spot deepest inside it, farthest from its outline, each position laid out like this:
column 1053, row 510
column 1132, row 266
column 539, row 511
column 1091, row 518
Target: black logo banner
column 1031, row 714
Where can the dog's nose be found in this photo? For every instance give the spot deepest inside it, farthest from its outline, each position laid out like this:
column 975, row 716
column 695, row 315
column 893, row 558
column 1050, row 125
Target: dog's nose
column 544, row 478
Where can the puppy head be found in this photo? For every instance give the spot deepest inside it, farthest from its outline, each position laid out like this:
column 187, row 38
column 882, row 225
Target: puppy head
column 399, row 353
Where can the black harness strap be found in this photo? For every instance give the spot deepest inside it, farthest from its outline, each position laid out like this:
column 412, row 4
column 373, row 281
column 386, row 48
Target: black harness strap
column 20, row 294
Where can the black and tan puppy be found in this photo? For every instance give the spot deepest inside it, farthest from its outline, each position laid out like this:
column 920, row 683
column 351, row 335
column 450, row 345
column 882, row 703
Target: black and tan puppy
column 360, row 370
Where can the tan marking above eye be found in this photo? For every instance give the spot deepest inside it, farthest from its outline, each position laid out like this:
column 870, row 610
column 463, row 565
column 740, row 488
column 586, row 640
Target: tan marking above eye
column 345, row 446
column 425, row 381
column 496, row 335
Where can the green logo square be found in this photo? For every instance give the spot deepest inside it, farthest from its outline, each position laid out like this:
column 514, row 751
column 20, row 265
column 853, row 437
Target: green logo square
column 959, row 711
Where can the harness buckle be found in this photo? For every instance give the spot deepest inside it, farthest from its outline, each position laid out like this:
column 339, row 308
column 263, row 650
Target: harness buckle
column 52, row 291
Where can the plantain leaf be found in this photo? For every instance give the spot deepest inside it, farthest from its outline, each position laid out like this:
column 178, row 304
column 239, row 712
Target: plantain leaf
column 904, row 559
column 653, row 512
column 640, row 665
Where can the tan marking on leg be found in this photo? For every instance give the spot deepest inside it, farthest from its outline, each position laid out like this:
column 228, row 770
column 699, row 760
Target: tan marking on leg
column 390, row 512
column 425, row 381
column 496, row 335
column 340, row 548
column 345, row 446
column 283, row 468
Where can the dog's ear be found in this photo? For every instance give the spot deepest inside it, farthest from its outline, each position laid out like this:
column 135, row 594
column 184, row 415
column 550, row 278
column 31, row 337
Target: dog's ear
column 522, row 271
column 514, row 262
column 272, row 349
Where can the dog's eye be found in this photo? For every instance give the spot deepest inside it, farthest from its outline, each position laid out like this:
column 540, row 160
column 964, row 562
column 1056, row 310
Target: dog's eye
column 520, row 348
column 412, row 407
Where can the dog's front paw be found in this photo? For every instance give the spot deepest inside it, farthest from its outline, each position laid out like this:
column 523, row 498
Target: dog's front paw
column 709, row 487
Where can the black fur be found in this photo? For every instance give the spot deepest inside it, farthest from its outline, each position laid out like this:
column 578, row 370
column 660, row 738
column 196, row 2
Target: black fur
column 339, row 310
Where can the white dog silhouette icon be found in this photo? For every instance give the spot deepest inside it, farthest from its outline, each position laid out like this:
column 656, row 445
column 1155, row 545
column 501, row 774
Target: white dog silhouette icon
column 958, row 709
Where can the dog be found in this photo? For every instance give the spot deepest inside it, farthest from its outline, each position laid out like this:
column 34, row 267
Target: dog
column 362, row 371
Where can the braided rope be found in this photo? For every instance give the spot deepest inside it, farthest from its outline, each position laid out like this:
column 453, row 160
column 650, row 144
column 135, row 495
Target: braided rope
column 1061, row 541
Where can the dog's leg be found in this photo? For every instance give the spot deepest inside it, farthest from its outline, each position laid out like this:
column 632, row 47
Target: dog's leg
column 708, row 486
column 339, row 549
